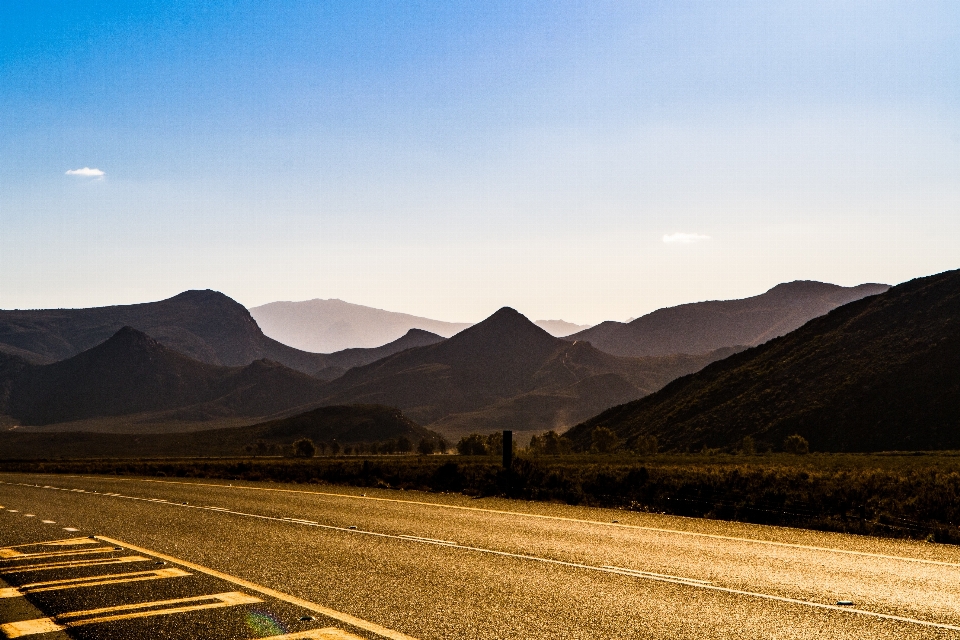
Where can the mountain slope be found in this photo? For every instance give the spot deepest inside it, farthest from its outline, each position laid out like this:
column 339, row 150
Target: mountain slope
column 337, row 363
column 131, row 373
column 359, row 423
column 332, row 325
column 882, row 373
column 506, row 372
column 703, row 326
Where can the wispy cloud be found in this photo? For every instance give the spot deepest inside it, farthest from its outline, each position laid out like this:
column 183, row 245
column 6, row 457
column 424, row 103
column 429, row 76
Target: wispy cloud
column 684, row 238
column 86, row 172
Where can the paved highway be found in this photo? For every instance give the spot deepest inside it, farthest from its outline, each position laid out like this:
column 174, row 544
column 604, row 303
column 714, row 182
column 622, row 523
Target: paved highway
column 106, row 557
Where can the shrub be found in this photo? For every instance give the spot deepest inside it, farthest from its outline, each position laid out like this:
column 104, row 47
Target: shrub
column 646, row 445
column 304, row 448
column 551, row 444
column 796, row 444
column 426, row 447
column 748, row 447
column 404, row 445
column 473, row 445
column 604, row 440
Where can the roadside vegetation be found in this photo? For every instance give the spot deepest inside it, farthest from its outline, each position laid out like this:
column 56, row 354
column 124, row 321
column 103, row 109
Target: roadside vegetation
column 903, row 495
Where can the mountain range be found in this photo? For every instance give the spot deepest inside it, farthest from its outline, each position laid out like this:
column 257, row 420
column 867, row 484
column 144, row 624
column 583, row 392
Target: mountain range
column 703, row 326
column 204, row 325
column 131, row 375
column 332, row 325
column 212, row 366
column 881, row 373
column 507, row 373
column 504, row 372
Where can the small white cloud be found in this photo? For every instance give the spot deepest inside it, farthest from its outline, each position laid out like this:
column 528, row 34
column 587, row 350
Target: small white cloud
column 685, row 238
column 86, row 172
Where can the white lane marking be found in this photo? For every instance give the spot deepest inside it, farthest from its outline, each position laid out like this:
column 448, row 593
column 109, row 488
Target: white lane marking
column 448, row 543
column 693, row 583
column 48, row 522
column 520, row 514
column 70, row 529
column 649, row 574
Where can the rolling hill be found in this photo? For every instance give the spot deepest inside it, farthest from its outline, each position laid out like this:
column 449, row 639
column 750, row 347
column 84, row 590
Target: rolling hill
column 703, row 326
column 346, row 425
column 204, row 325
column 881, row 373
column 506, row 372
column 132, row 375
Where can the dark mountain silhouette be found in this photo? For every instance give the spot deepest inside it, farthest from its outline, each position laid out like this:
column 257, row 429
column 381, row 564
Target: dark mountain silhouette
column 882, row 373
column 131, row 373
column 204, row 325
column 345, row 425
column 703, row 326
column 506, row 372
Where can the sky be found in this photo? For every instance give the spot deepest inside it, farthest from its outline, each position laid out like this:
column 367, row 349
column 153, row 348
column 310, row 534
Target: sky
column 577, row 160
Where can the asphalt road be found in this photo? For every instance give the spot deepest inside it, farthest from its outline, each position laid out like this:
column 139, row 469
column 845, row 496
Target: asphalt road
column 206, row 559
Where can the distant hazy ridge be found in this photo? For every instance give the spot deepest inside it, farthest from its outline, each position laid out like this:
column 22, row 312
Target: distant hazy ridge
column 331, row 325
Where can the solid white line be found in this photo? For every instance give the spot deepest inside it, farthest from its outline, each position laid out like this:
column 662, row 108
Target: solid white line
column 520, row 514
column 687, row 582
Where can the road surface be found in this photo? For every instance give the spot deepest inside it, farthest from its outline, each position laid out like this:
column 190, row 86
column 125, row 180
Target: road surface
column 108, row 557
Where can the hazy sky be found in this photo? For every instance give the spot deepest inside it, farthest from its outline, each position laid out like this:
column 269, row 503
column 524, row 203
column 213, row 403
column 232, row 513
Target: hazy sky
column 583, row 160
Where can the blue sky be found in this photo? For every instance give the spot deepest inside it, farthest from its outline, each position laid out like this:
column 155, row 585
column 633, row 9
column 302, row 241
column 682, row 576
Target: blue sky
column 446, row 159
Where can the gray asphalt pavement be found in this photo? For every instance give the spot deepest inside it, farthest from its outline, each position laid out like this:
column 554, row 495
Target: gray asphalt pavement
column 207, row 559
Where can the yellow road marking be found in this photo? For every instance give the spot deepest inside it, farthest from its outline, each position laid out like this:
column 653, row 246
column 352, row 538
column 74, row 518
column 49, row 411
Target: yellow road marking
column 64, row 543
column 92, row 581
column 19, row 555
column 61, row 622
column 305, row 604
column 328, row 633
column 70, row 565
column 29, row 627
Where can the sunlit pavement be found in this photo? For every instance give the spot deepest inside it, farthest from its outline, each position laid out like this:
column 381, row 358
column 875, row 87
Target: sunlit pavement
column 211, row 559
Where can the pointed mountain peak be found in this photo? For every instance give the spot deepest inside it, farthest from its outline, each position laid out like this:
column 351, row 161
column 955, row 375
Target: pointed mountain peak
column 507, row 328
column 507, row 320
